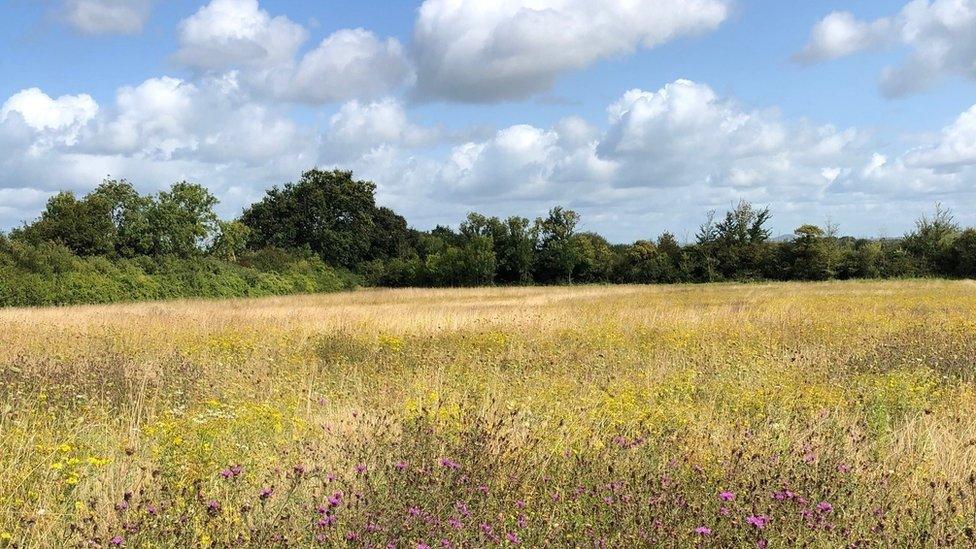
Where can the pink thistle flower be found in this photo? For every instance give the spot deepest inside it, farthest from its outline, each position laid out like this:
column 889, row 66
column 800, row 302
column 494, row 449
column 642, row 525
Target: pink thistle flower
column 413, row 511
column 844, row 468
column 513, row 538
column 759, row 521
column 520, row 504
column 724, row 511
column 824, row 507
column 360, row 469
column 703, row 531
column 454, row 523
column 266, row 492
column 726, row 496
column 483, row 489
column 401, row 465
column 448, row 464
column 117, row 541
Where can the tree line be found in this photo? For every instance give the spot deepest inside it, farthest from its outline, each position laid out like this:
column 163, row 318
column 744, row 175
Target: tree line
column 325, row 232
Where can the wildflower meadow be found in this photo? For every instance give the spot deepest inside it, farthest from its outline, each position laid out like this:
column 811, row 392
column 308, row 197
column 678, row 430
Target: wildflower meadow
column 758, row 415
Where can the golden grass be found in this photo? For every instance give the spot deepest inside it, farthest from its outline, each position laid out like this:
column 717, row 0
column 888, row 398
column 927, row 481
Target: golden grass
column 575, row 416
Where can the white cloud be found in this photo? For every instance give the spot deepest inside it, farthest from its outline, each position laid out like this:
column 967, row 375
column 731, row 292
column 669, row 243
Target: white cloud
column 840, row 34
column 107, row 16
column 941, row 36
column 349, row 64
column 471, row 50
column 237, row 33
column 361, row 127
column 955, row 150
column 57, row 121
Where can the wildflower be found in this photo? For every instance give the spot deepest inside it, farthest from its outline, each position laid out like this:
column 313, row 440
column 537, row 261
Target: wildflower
column 843, row 468
column 299, row 470
column 352, row 536
column 360, row 469
column 266, row 493
column 824, row 507
column 809, row 457
column 762, row 544
column 724, row 511
column 463, row 509
column 5, row 536
column 233, row 471
column 326, row 521
column 759, row 521
column 117, row 541
column 372, row 527
column 335, row 499
column 726, row 496
column 520, row 504
column 703, row 531
column 423, row 546
column 152, row 510
column 122, row 506
column 448, row 464
column 454, row 523
column 401, row 465
column 413, row 511
column 513, row 538
column 213, row 507
column 483, row 489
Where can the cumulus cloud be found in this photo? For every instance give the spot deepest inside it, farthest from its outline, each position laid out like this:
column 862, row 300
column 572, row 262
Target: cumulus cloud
column 237, row 33
column 60, row 119
column 350, row 64
column 471, row 50
column 362, row 127
column 940, row 34
column 841, row 34
column 955, row 150
column 107, row 16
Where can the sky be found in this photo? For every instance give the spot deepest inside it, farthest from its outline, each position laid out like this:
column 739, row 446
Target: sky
column 643, row 115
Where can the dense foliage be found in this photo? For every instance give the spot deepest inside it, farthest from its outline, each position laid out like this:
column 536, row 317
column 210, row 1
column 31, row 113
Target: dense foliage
column 326, row 232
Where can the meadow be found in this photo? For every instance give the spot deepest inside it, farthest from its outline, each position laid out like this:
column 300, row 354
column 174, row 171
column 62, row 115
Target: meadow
column 789, row 414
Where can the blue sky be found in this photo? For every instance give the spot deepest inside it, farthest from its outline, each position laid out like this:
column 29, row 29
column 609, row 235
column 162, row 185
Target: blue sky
column 850, row 111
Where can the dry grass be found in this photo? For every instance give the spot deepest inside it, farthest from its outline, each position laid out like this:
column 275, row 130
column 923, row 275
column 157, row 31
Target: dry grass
column 545, row 416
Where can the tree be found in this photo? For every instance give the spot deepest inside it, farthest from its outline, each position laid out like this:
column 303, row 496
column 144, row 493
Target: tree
column 181, row 220
column 931, row 241
column 558, row 253
column 810, row 254
column 964, row 252
column 231, row 240
column 735, row 247
column 83, row 226
column 330, row 213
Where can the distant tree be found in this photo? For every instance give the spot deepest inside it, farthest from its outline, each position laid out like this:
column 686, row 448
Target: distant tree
column 558, row 252
column 596, row 258
column 931, row 241
column 231, row 240
column 181, row 220
column 130, row 216
column 810, row 254
column 389, row 236
column 83, row 226
column 328, row 212
column 964, row 252
column 735, row 247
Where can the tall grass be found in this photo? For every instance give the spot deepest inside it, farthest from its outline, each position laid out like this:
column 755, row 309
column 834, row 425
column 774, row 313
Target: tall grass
column 725, row 415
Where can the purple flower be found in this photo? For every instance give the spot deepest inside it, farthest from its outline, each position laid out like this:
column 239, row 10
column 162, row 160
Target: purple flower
column 117, row 540
column 520, row 504
column 233, row 471
column 483, row 489
column 809, row 457
column 463, row 509
column 703, row 531
column 454, row 523
column 423, row 546
column 266, row 492
column 762, row 544
column 122, row 506
column 326, row 521
column 352, row 536
column 335, row 499
column 844, row 468
column 448, row 464
column 152, row 510
column 726, row 496
column 759, row 521
column 824, row 507
column 360, row 469
column 513, row 538
column 213, row 507
column 413, row 511
column 401, row 465
column 724, row 511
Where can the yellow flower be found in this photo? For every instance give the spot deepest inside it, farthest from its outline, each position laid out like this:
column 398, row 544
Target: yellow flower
column 57, row 466
column 64, row 448
column 5, row 536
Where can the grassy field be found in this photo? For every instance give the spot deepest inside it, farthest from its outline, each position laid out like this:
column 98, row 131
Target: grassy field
column 727, row 415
